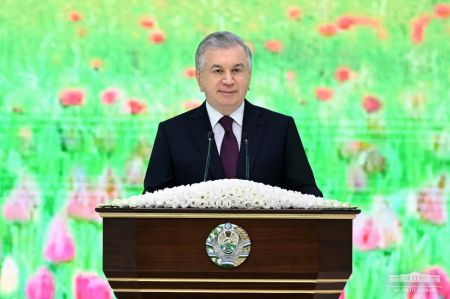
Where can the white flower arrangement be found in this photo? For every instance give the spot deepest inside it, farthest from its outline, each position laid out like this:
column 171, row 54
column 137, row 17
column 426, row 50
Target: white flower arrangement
column 226, row 194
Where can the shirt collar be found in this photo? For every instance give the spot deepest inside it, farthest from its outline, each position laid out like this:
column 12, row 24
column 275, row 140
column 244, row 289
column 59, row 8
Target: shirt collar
column 215, row 116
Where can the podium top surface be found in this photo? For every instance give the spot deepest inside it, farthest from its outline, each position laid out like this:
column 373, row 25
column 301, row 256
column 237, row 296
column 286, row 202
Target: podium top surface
column 328, row 213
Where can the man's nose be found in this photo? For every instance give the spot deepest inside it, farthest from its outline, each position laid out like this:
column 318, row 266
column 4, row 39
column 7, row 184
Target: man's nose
column 228, row 78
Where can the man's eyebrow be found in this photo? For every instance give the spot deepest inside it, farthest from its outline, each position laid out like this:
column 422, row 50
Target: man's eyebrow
column 216, row 66
column 220, row 67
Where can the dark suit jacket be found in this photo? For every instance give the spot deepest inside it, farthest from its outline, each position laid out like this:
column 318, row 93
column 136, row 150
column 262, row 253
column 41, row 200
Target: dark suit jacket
column 276, row 152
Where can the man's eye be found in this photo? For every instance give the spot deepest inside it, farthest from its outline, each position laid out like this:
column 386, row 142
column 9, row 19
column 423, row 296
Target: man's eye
column 217, row 71
column 237, row 70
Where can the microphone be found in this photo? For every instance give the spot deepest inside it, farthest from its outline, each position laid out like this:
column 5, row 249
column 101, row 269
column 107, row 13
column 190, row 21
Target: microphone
column 210, row 137
column 246, row 137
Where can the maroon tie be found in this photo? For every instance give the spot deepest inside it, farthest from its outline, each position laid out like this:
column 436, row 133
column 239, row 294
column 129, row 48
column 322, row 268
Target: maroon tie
column 229, row 151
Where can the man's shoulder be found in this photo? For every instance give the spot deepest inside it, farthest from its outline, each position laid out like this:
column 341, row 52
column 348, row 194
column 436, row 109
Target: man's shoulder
column 270, row 114
column 183, row 117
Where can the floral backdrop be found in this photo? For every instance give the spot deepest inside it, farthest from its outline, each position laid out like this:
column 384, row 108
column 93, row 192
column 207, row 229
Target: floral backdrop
column 83, row 85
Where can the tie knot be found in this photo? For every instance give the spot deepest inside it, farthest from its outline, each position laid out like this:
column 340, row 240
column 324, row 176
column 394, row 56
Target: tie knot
column 226, row 123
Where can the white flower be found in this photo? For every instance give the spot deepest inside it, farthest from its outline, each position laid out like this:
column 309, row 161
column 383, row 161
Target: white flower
column 226, row 194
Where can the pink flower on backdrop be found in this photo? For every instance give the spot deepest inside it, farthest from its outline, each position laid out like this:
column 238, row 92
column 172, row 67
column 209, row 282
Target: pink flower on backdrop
column 41, row 285
column 342, row 296
column 274, row 46
column 83, row 200
column 189, row 105
column 71, row 97
column 431, row 205
column 75, row 16
column 418, row 27
column 327, row 30
column 365, row 233
column 135, row 106
column 109, row 96
column 356, row 178
column 324, row 94
column 294, row 13
column 371, row 104
column 443, row 286
column 442, row 10
column 157, row 37
column 342, row 74
column 387, row 223
column 110, row 184
column 90, row 286
column 421, row 289
column 23, row 200
column 189, row 73
column 59, row 247
column 147, row 22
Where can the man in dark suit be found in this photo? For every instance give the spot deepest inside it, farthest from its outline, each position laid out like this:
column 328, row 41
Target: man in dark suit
column 275, row 153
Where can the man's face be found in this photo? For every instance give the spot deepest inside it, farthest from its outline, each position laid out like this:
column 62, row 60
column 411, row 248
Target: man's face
column 225, row 78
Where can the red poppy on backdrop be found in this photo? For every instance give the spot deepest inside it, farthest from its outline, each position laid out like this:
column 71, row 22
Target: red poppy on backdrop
column 342, row 74
column 75, row 16
column 72, row 97
column 147, row 22
column 274, row 46
column 189, row 73
column 345, row 22
column 109, row 96
column 294, row 13
column 324, row 94
column 371, row 104
column 418, row 27
column 136, row 107
column 327, row 30
column 442, row 10
column 96, row 63
column 157, row 37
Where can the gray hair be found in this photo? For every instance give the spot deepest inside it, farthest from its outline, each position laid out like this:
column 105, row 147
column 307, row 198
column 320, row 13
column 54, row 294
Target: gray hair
column 220, row 40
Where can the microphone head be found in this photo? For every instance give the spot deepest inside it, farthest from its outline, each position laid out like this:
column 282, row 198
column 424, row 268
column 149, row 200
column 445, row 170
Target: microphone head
column 210, row 134
column 245, row 135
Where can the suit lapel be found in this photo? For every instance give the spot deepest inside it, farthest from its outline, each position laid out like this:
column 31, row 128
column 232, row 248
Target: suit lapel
column 254, row 127
column 199, row 126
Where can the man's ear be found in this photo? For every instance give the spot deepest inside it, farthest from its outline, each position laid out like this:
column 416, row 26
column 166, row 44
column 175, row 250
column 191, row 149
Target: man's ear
column 197, row 76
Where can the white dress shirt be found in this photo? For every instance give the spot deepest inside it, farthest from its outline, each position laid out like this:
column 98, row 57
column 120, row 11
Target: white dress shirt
column 219, row 131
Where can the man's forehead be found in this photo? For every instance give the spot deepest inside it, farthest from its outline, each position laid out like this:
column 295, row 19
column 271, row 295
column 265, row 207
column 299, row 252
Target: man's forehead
column 226, row 57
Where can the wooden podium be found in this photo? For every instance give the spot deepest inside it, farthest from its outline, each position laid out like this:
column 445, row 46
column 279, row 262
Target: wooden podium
column 161, row 253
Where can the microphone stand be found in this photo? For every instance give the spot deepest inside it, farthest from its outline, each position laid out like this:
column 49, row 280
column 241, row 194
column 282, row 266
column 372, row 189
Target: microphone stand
column 210, row 137
column 247, row 162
